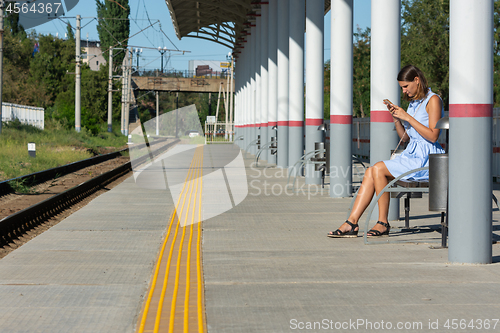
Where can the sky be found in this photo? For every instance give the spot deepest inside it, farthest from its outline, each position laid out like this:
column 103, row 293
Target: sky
column 145, row 12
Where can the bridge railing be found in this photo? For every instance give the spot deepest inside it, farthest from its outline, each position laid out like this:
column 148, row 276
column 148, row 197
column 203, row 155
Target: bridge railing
column 181, row 74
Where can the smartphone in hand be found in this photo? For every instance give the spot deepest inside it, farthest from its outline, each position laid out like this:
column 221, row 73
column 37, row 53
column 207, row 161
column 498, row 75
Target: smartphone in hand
column 388, row 101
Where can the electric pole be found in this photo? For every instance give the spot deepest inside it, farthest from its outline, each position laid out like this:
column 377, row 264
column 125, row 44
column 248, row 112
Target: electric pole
column 78, row 111
column 110, row 90
column 2, row 4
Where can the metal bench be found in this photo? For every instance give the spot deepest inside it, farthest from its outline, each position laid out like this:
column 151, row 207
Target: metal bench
column 398, row 188
column 406, row 190
column 412, row 189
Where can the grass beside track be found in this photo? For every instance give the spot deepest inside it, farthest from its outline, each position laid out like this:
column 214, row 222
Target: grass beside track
column 55, row 146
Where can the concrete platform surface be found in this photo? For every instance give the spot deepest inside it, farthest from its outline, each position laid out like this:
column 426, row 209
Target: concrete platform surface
column 268, row 265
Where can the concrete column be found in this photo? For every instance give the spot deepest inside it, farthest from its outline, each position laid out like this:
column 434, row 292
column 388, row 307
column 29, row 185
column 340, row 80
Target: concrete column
column 273, row 74
column 257, row 62
column 314, row 80
column 246, row 97
column 296, row 87
column 237, row 104
column 264, row 79
column 251, row 88
column 241, row 77
column 253, row 91
column 471, row 109
column 283, row 76
column 385, row 66
column 341, row 99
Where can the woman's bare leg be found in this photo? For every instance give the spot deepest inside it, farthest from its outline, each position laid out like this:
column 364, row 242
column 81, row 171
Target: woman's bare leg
column 374, row 180
column 365, row 195
column 381, row 176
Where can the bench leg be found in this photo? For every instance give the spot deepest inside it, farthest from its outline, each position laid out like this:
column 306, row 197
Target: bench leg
column 407, row 211
column 444, row 228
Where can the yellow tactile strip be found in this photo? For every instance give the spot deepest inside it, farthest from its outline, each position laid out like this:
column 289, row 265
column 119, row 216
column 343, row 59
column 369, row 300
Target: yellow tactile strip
column 175, row 298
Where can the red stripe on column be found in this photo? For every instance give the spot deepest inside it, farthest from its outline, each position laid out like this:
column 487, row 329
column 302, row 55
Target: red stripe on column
column 338, row 119
column 471, row 110
column 295, row 123
column 381, row 116
column 264, row 125
column 272, row 123
column 282, row 123
column 314, row 122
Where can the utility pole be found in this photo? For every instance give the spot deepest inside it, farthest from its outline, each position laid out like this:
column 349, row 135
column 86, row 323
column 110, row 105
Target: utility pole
column 157, row 112
column 177, row 115
column 124, row 96
column 78, row 111
column 2, row 4
column 110, row 90
column 128, row 92
column 157, row 93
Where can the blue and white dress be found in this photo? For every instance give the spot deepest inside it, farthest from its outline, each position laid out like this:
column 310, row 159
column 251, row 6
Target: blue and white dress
column 416, row 154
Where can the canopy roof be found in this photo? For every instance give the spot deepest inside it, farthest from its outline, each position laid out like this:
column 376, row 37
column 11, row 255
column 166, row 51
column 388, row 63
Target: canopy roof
column 223, row 21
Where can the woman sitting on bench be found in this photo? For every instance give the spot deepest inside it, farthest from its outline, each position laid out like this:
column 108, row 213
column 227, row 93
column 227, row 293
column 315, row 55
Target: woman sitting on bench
column 416, row 125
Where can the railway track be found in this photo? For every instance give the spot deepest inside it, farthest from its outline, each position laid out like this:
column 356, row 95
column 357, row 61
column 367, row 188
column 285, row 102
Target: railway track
column 16, row 225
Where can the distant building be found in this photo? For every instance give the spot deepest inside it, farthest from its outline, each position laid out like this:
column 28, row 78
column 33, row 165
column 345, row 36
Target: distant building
column 203, row 70
column 205, row 67
column 94, row 54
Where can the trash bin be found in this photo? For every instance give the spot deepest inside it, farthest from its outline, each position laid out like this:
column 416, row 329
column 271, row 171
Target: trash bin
column 319, row 157
column 438, row 182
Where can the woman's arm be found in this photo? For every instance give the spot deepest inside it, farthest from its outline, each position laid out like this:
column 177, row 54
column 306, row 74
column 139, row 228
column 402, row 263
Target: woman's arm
column 433, row 108
column 400, row 129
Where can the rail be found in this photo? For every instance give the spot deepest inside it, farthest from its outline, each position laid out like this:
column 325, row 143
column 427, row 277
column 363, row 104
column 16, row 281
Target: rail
column 18, row 223
column 42, row 176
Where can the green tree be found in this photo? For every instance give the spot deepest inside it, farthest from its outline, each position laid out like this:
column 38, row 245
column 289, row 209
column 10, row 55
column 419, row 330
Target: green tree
column 425, row 33
column 12, row 24
column 361, row 73
column 18, row 51
column 496, row 54
column 50, row 66
column 326, row 90
column 113, row 27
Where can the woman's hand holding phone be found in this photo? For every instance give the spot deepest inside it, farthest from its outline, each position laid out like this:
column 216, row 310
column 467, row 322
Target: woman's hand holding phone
column 396, row 112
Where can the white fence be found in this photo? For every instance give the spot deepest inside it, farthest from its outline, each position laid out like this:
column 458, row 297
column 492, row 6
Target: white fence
column 26, row 114
column 219, row 132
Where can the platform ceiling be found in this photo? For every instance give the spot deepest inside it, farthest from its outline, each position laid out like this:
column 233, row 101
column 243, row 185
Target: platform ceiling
column 226, row 22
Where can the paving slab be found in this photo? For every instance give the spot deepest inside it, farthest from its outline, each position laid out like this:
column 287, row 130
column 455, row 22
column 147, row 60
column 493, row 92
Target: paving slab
column 90, row 272
column 269, row 267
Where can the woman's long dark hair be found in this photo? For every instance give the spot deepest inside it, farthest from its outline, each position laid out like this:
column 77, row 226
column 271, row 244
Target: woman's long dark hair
column 408, row 74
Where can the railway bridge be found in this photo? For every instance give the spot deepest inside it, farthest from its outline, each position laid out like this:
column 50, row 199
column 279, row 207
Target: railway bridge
column 180, row 84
